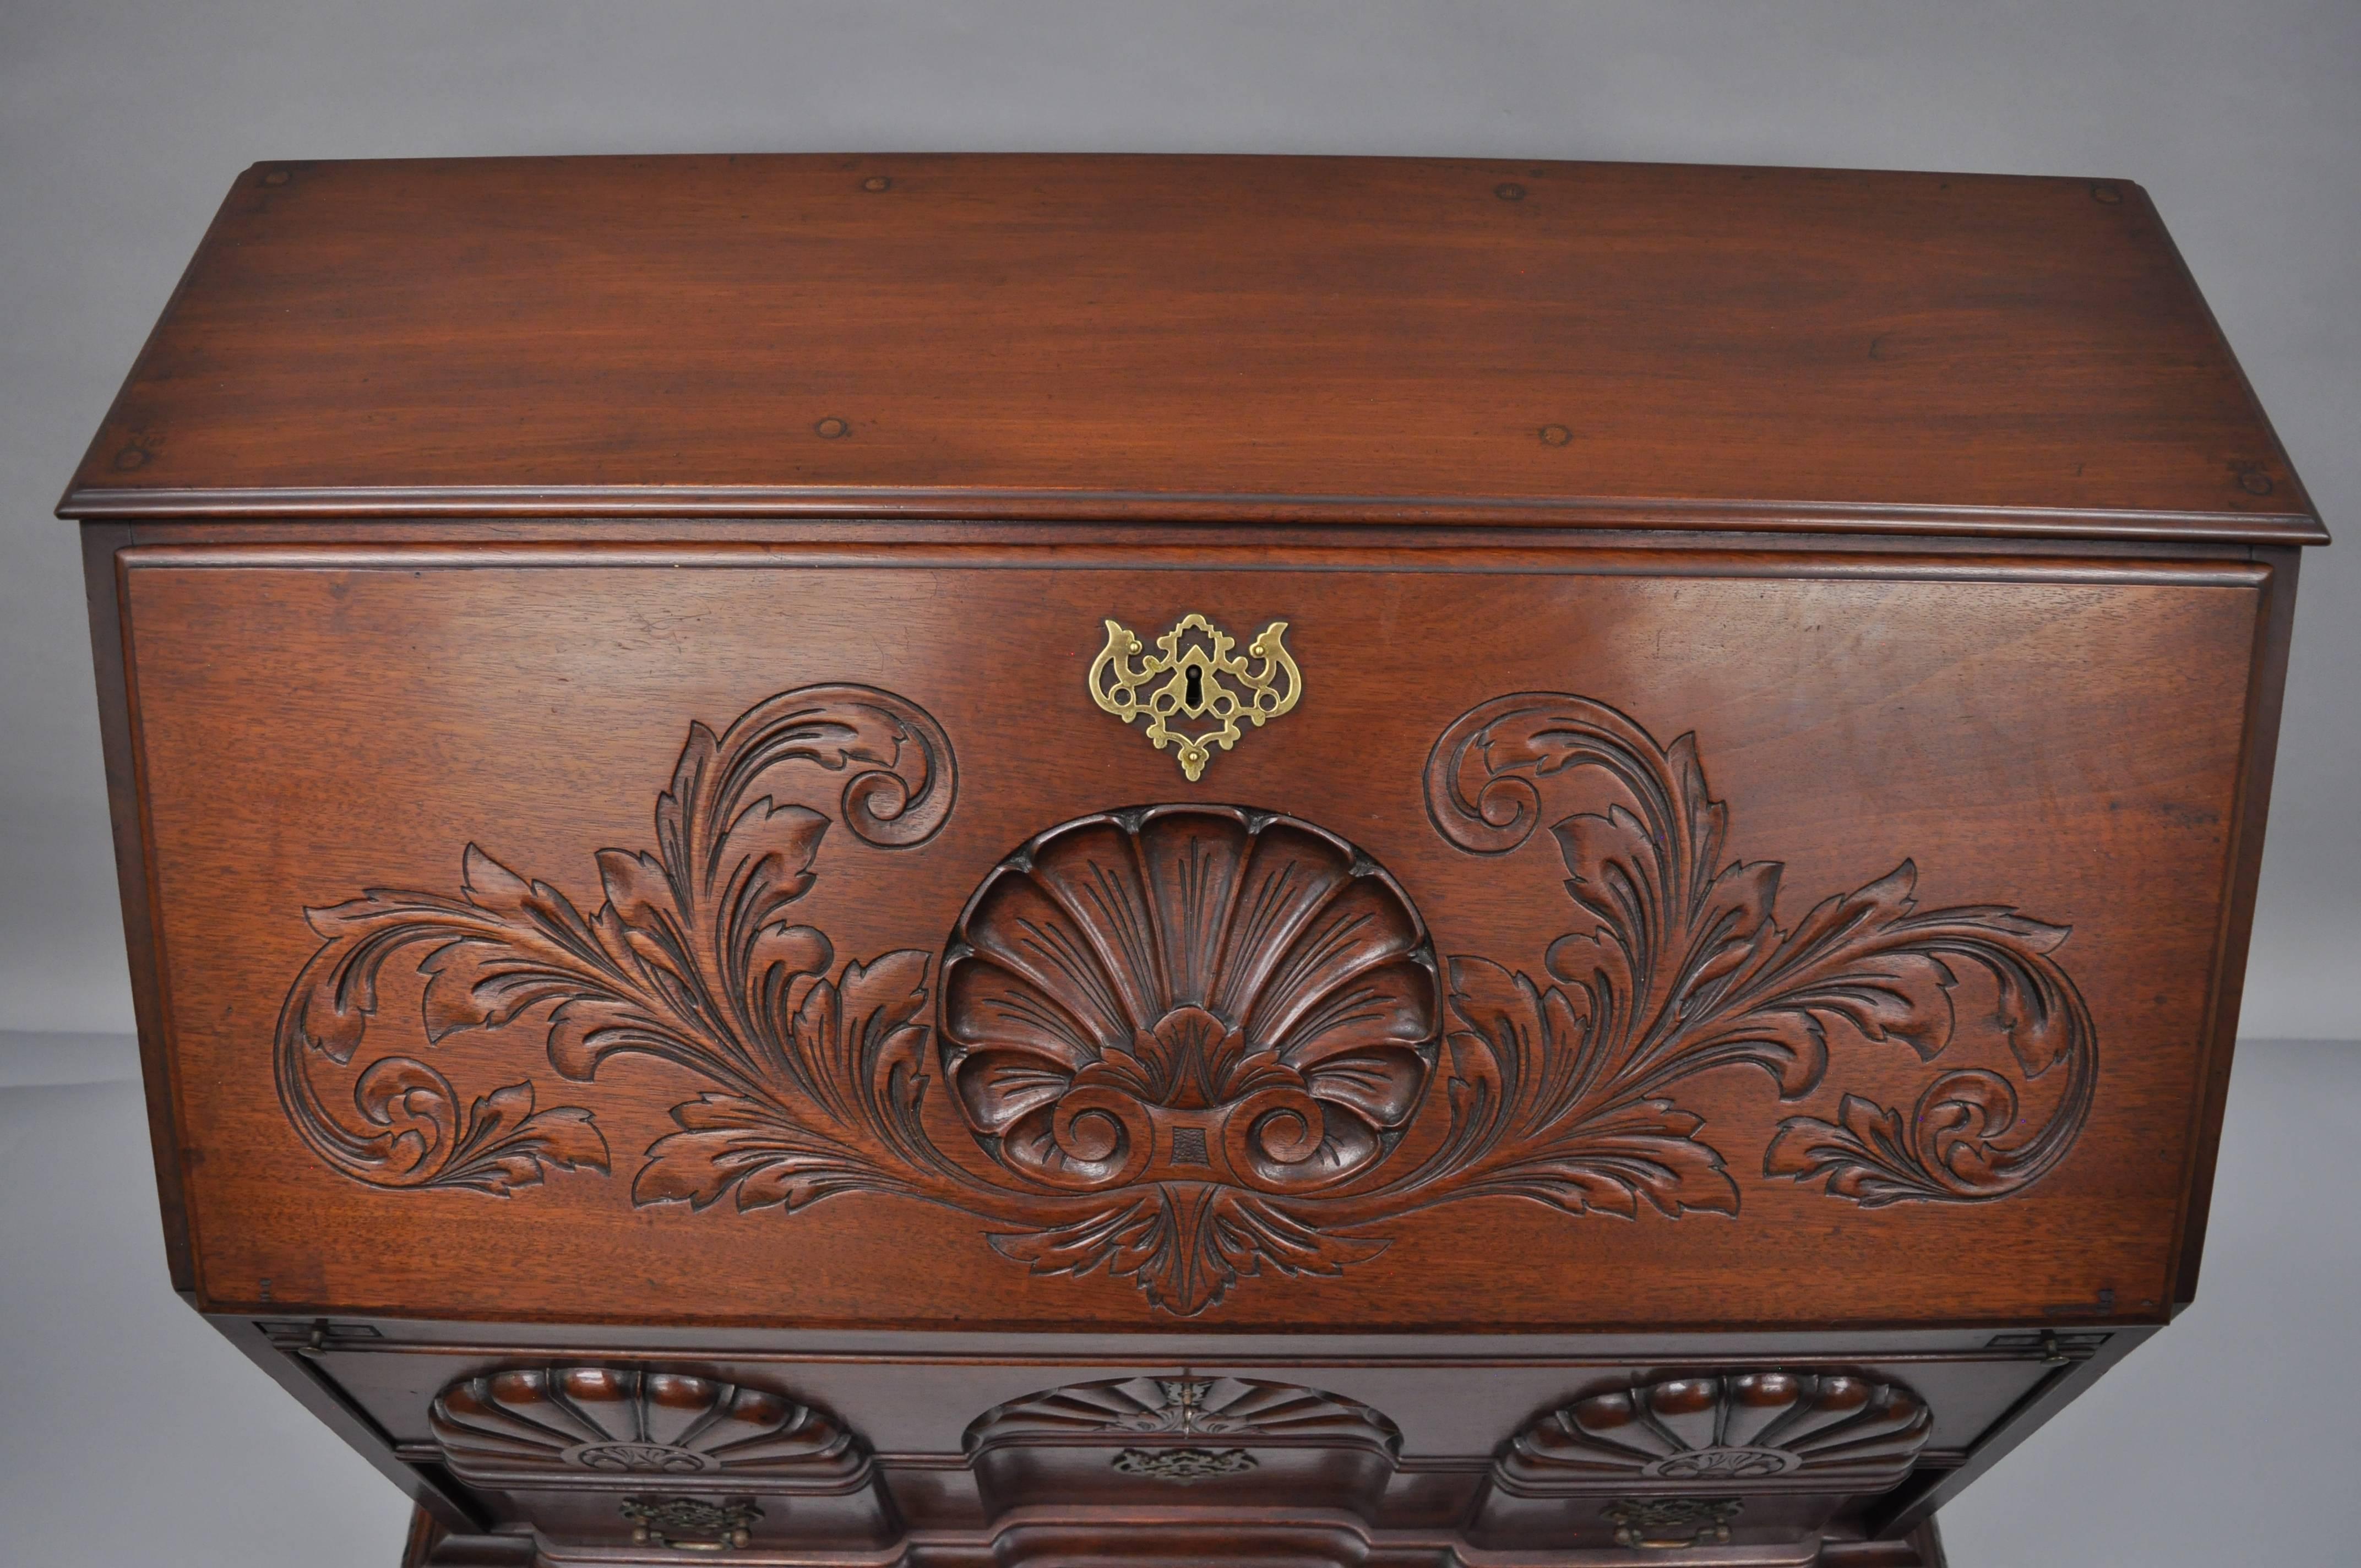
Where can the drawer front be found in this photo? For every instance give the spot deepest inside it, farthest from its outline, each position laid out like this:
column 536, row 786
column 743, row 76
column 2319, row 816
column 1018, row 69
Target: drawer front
column 994, row 938
column 584, row 1447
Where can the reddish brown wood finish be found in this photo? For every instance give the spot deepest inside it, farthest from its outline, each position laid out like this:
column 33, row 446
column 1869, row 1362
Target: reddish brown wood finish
column 1372, row 339
column 100, row 544
column 561, row 688
column 1914, row 519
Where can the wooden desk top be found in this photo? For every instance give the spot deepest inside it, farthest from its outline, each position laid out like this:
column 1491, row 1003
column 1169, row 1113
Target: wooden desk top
column 1252, row 339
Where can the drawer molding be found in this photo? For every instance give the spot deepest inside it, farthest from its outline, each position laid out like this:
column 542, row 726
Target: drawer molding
column 1188, row 1043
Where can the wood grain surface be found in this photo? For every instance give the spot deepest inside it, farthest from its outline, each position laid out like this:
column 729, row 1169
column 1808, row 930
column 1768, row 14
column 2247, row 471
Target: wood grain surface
column 2063, row 741
column 1221, row 337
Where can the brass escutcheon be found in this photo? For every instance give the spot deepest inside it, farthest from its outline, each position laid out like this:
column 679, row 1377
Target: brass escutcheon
column 1189, row 680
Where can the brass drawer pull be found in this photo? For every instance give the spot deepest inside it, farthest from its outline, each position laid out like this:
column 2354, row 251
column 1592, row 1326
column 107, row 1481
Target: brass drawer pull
column 726, row 1527
column 1669, row 1524
column 1183, row 1465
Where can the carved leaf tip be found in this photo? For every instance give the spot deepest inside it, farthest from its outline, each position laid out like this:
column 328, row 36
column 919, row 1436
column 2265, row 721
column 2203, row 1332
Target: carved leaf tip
column 786, row 835
column 1866, row 1158
column 487, row 883
column 729, row 1145
column 2034, row 935
column 504, row 1144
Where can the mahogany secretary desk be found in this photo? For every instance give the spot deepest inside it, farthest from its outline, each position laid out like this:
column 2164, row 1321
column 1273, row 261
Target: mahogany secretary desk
column 966, row 860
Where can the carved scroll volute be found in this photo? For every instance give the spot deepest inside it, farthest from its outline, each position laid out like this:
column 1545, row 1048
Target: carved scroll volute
column 1677, row 963
column 731, row 859
column 1483, row 775
column 1192, row 1045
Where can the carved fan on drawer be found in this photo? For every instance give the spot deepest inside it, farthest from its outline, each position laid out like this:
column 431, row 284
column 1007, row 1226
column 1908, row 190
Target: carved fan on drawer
column 582, row 1425
column 1815, row 1431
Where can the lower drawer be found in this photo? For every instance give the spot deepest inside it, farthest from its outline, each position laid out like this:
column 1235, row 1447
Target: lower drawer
column 627, row 1451
column 626, row 1455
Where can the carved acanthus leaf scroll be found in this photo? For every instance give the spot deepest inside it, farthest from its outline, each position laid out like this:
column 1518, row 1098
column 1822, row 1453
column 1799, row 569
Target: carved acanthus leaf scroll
column 1680, row 967
column 1189, row 1043
column 690, row 959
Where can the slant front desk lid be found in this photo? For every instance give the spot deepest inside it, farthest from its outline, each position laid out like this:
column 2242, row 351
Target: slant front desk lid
column 727, row 935
column 1226, row 338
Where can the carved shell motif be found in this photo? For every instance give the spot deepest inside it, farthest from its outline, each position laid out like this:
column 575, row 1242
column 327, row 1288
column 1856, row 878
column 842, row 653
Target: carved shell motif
column 1774, row 1429
column 539, row 1424
column 1189, row 994
column 1238, row 1408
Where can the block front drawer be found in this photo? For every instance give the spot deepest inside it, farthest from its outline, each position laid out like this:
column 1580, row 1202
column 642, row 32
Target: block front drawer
column 588, row 1448
column 1000, row 937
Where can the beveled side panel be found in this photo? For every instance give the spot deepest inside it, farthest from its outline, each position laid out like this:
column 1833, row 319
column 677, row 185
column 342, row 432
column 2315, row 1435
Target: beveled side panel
column 1828, row 941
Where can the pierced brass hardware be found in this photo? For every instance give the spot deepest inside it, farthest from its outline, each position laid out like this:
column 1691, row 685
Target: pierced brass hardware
column 727, row 1527
column 1183, row 1465
column 1668, row 1524
column 1194, row 667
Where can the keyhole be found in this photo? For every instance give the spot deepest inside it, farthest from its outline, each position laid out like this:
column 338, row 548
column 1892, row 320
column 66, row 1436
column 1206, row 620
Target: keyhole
column 1196, row 688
